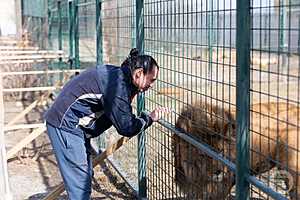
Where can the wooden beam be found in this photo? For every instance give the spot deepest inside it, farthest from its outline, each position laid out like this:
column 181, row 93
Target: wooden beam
column 30, row 89
column 97, row 160
column 25, row 141
column 23, row 113
column 38, row 52
column 23, row 126
column 41, row 72
column 4, row 186
column 24, row 61
column 32, row 105
column 26, row 57
column 13, row 48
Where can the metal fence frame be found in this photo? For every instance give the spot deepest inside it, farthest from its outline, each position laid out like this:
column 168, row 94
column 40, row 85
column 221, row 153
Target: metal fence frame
column 243, row 34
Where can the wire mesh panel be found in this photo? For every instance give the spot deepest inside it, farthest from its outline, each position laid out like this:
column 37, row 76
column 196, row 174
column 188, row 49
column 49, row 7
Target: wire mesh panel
column 195, row 45
column 192, row 153
column 118, row 32
column 275, row 96
column 118, row 19
column 86, row 14
column 193, row 42
column 58, row 25
column 34, row 24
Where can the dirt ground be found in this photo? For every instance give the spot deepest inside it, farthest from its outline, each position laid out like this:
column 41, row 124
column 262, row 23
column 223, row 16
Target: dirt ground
column 33, row 171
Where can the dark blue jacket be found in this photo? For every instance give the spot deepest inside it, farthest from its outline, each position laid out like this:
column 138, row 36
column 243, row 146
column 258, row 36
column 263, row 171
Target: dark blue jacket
column 96, row 99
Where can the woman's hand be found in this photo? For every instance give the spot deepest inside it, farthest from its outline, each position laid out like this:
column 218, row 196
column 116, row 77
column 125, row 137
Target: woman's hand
column 158, row 112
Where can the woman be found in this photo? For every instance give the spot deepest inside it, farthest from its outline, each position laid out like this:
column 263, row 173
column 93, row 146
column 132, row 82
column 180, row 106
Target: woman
column 88, row 105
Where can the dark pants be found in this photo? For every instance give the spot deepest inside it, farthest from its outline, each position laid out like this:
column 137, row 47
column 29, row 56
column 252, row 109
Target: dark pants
column 75, row 165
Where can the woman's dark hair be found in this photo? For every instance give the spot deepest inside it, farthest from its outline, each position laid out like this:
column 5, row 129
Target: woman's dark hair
column 135, row 61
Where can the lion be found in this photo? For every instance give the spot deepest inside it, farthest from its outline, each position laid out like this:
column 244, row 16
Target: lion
column 273, row 139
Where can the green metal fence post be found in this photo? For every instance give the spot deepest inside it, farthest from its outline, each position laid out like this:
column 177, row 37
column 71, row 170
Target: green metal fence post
column 133, row 30
column 210, row 32
column 140, row 25
column 99, row 45
column 243, row 98
column 141, row 104
column 49, row 28
column 99, row 49
column 59, row 29
column 76, row 35
column 282, row 34
column 71, row 33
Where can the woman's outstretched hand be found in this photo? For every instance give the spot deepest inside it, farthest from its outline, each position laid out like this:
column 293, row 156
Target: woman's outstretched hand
column 158, row 112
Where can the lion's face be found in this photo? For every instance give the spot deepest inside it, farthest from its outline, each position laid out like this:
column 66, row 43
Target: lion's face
column 194, row 167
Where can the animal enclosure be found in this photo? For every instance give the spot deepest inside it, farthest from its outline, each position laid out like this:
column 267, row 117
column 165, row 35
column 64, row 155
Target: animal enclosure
column 229, row 70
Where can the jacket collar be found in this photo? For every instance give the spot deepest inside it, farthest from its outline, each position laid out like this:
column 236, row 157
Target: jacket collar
column 128, row 77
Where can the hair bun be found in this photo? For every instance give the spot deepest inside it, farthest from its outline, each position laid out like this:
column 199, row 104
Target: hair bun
column 134, row 52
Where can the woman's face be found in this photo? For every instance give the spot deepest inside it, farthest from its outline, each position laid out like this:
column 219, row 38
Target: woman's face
column 144, row 81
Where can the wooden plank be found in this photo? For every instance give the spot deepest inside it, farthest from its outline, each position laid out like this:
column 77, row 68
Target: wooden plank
column 30, row 89
column 23, row 126
column 23, row 113
column 32, row 105
column 34, row 134
column 8, row 42
column 27, row 61
column 41, row 72
column 4, row 186
column 20, row 52
column 97, row 160
column 28, row 57
column 12, row 48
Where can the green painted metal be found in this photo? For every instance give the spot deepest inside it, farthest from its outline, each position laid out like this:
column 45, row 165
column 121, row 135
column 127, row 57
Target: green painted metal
column 133, row 30
column 76, row 35
column 140, row 34
column 243, row 98
column 71, row 33
column 50, row 29
column 34, row 8
column 142, row 183
column 194, row 42
column 210, row 32
column 99, row 39
column 59, row 10
column 282, row 33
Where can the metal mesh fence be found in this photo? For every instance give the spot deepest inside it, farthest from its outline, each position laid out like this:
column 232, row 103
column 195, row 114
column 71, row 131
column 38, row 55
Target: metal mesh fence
column 193, row 42
column 196, row 43
column 274, row 93
column 87, row 33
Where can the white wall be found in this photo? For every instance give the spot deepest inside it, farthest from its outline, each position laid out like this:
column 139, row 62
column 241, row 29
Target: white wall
column 8, row 17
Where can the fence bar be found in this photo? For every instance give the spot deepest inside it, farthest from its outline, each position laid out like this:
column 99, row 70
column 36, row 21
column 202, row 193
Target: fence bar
column 71, row 33
column 210, row 36
column 282, row 34
column 49, row 27
column 123, row 174
column 203, row 147
column 4, row 186
column 99, row 45
column 140, row 25
column 243, row 98
column 133, row 30
column 59, row 31
column 219, row 157
column 141, row 103
column 266, row 189
column 76, row 35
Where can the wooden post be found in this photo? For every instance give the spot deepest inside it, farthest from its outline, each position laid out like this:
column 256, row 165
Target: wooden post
column 4, row 186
